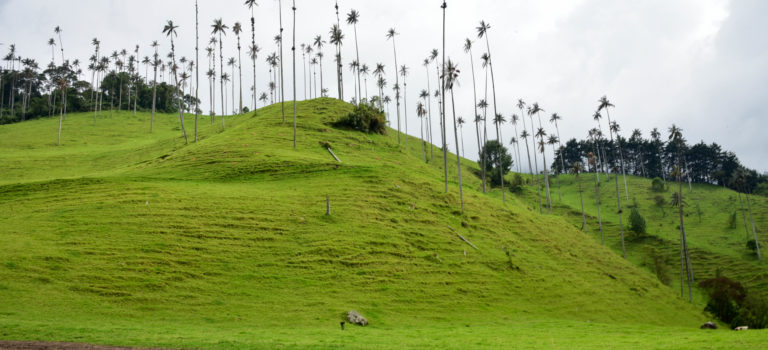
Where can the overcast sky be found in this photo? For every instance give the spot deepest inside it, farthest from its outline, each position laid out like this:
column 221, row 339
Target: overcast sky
column 701, row 64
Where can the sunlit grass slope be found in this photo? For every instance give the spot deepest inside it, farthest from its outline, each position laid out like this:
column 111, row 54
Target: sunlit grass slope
column 129, row 238
column 713, row 243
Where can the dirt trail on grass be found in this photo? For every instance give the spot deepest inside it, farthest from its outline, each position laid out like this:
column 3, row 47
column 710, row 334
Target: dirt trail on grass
column 31, row 345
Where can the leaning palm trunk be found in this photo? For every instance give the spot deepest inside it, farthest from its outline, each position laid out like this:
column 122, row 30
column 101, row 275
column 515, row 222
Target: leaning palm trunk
column 477, row 121
column 754, row 231
column 581, row 199
column 429, row 117
column 597, row 200
column 458, row 156
column 685, row 257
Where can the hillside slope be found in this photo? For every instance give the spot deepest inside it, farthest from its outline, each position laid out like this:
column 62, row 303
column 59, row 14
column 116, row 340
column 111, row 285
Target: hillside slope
column 127, row 238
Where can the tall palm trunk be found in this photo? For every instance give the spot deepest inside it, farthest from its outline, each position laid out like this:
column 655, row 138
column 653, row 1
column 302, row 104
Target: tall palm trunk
column 474, row 103
column 154, row 97
column 442, row 105
column 282, row 78
column 581, row 199
column 221, row 81
column 562, row 161
column 495, row 111
column 525, row 127
column 405, row 109
column 754, row 231
column 458, row 157
column 597, row 200
column 685, row 257
column 397, row 88
column 359, row 89
column 618, row 194
column 180, row 92
column 429, row 116
column 240, row 74
column 546, row 176
column 253, row 58
column 293, row 49
column 197, row 68
column 61, row 116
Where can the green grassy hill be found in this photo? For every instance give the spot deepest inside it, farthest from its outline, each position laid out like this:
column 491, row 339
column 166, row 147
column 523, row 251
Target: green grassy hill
column 713, row 243
column 128, row 238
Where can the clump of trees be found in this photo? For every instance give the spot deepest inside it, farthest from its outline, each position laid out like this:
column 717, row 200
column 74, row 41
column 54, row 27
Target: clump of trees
column 730, row 302
column 637, row 223
column 655, row 158
column 498, row 162
column 365, row 118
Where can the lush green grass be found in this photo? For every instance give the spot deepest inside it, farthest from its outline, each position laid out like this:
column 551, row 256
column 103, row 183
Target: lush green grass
column 713, row 243
column 122, row 237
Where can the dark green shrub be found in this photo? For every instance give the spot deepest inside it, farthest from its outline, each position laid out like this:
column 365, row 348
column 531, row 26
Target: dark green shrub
column 725, row 296
column 516, row 185
column 752, row 313
column 657, row 185
column 637, row 223
column 495, row 151
column 752, row 246
column 732, row 220
column 365, row 118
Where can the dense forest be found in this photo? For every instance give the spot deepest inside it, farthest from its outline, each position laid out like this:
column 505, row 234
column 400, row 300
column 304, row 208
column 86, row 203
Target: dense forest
column 656, row 158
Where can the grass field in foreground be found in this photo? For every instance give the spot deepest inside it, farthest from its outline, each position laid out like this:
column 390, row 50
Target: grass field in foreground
column 126, row 238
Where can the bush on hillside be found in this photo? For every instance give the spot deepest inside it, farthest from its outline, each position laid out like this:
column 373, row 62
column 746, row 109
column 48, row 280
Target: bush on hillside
column 495, row 151
column 637, row 223
column 753, row 313
column 516, row 184
column 364, row 118
column 752, row 246
column 657, row 185
column 732, row 220
column 725, row 297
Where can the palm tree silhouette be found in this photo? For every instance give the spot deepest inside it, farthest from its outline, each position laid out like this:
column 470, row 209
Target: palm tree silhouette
column 428, row 100
column 319, row 43
column 615, row 128
column 251, row 4
column 337, row 38
column 232, row 62
column 293, row 50
column 220, row 28
column 421, row 112
column 592, row 158
column 170, row 31
column 451, row 78
column 676, row 137
column 197, row 70
column 237, row 29
column 605, row 104
column 352, row 18
column 391, row 33
column 514, row 120
column 468, row 50
column 554, row 119
column 577, row 169
column 541, row 134
column 404, row 73
column 482, row 31
column 521, row 104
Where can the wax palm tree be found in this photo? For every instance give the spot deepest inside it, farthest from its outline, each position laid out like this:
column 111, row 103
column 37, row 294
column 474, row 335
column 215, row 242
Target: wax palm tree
column 170, row 31
column 541, row 134
column 352, row 18
column 337, row 38
column 676, row 137
column 592, row 159
column 554, row 119
column 615, row 128
column 404, row 73
column 482, row 32
column 293, row 50
column 521, row 104
column 421, row 112
column 155, row 64
column 364, row 71
column 577, row 169
column 604, row 104
column 237, row 29
column 601, row 146
column 524, row 135
column 379, row 73
column 461, row 123
column 280, row 44
column 263, row 98
column 58, row 31
column 451, row 78
column 232, row 62
column 739, row 182
column 387, row 100
column 251, row 4
column 221, row 29
column 391, row 33
column 428, row 101
column 484, row 106
column 225, row 78
column 514, row 120
column 468, row 50
column 319, row 43
column 197, row 68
